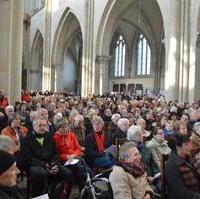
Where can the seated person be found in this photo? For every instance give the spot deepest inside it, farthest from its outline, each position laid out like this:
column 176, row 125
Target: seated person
column 41, row 157
column 96, row 144
column 8, row 177
column 158, row 146
column 68, row 148
column 128, row 178
column 123, row 125
column 180, row 176
column 15, row 130
column 135, row 135
column 77, row 127
column 195, row 147
column 7, row 144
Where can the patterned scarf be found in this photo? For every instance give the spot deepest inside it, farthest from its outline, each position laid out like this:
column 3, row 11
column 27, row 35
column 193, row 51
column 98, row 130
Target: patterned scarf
column 134, row 170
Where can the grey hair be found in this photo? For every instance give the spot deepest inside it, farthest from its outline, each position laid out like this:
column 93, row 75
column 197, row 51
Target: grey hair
column 133, row 132
column 9, row 107
column 196, row 127
column 115, row 117
column 6, row 143
column 57, row 117
column 79, row 117
column 97, row 119
column 121, row 121
column 125, row 149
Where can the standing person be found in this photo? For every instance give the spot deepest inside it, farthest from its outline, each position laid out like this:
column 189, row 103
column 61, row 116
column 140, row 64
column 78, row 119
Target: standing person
column 3, row 99
column 8, row 177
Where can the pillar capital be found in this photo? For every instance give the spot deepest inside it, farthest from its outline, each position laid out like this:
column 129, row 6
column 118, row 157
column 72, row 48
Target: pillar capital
column 101, row 59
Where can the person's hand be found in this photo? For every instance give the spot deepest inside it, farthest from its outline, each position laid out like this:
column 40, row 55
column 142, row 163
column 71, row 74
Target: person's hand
column 150, row 179
column 147, row 196
column 54, row 170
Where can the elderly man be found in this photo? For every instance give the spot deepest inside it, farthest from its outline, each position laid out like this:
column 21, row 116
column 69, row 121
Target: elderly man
column 42, row 159
column 8, row 176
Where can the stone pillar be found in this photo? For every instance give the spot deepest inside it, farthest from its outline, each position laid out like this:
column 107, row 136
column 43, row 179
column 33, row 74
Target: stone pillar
column 46, row 83
column 88, row 71
column 58, row 74
column 102, row 74
column 11, row 37
column 177, row 31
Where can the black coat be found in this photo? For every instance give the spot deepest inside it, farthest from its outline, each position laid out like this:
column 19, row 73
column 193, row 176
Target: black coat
column 174, row 181
column 9, row 193
column 91, row 150
column 37, row 155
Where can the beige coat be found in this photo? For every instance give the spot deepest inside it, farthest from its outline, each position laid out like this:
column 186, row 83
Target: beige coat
column 125, row 186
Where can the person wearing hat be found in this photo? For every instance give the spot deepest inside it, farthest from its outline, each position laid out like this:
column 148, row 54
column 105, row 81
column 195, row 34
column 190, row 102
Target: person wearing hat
column 8, row 176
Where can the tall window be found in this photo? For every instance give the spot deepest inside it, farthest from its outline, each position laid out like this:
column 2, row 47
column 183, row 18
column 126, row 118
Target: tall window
column 143, row 56
column 120, row 51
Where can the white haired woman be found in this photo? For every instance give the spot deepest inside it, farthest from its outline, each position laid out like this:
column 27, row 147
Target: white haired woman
column 128, row 178
column 96, row 144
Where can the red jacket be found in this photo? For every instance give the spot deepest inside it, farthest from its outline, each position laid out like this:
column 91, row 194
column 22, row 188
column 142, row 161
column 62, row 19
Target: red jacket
column 67, row 144
column 4, row 102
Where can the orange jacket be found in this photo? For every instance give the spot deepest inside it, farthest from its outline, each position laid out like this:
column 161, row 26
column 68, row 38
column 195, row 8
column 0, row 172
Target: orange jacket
column 67, row 144
column 10, row 132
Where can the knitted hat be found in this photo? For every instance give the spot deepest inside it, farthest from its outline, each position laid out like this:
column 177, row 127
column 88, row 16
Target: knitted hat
column 6, row 161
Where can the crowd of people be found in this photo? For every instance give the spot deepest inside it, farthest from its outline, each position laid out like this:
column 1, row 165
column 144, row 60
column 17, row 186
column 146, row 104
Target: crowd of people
column 44, row 133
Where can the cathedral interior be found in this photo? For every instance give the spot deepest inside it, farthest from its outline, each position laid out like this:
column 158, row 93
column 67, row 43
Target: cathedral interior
column 99, row 46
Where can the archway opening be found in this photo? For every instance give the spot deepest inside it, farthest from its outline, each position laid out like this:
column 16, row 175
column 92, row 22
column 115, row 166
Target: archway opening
column 67, row 55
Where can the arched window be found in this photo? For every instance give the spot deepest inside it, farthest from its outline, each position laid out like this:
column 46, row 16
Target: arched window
column 120, row 51
column 143, row 56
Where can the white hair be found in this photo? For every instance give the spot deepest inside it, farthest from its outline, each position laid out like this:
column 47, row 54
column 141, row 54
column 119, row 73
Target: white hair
column 122, row 121
column 115, row 117
column 134, row 132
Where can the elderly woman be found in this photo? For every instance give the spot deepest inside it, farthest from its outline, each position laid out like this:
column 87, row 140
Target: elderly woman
column 15, row 130
column 135, row 135
column 96, row 144
column 128, row 178
column 158, row 146
column 69, row 149
column 195, row 146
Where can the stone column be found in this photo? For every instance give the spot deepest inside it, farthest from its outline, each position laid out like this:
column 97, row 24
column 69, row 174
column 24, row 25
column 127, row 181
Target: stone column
column 88, row 72
column 46, row 83
column 102, row 74
column 177, row 31
column 11, row 37
column 58, row 74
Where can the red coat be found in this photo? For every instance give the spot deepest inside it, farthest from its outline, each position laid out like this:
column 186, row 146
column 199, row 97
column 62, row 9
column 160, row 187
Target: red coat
column 67, row 144
column 4, row 102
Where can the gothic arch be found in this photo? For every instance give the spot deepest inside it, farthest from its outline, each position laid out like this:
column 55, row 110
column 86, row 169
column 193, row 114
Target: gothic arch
column 127, row 11
column 67, row 31
column 36, row 62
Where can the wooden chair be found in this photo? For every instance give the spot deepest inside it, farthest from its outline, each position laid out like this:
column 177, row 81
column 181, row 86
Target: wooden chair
column 118, row 143
column 164, row 158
